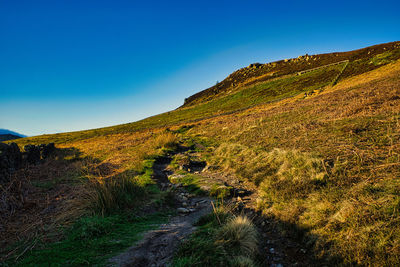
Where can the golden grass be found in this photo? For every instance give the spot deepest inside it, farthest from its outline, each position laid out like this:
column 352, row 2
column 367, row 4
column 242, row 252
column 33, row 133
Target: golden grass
column 349, row 205
column 239, row 234
column 353, row 214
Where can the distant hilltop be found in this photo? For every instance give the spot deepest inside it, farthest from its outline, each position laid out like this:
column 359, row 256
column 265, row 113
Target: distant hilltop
column 361, row 60
column 6, row 135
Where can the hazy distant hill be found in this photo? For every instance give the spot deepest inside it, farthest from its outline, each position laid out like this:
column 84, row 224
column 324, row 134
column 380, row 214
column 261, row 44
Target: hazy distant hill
column 6, row 135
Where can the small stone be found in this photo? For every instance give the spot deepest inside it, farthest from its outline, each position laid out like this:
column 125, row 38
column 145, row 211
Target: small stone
column 184, row 198
column 303, row 250
column 184, row 204
column 272, row 250
column 183, row 210
column 263, row 223
column 192, row 210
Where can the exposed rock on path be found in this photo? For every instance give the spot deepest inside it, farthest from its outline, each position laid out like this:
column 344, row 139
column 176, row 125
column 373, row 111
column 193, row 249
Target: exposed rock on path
column 158, row 246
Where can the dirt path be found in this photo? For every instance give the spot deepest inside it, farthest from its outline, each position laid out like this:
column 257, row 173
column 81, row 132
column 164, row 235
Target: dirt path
column 158, row 246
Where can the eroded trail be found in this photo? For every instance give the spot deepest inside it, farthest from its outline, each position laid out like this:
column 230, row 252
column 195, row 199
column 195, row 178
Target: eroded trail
column 158, row 246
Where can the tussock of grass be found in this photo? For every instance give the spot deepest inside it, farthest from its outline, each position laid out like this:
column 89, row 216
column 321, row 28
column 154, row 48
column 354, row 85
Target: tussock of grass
column 221, row 240
column 113, row 194
column 238, row 236
column 166, row 140
column 242, row 261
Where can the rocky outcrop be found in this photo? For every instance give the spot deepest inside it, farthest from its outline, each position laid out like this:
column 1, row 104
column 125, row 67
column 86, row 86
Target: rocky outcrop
column 11, row 157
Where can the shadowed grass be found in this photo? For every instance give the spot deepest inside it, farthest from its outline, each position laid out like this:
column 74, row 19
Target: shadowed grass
column 221, row 240
column 91, row 241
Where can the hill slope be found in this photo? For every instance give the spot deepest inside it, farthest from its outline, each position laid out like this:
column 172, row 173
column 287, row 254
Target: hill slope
column 244, row 96
column 360, row 61
column 320, row 147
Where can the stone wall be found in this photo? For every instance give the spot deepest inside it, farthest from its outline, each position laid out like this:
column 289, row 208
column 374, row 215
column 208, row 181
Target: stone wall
column 12, row 158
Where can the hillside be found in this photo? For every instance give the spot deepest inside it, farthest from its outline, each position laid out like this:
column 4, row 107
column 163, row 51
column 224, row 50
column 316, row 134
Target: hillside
column 360, row 61
column 308, row 148
column 6, row 137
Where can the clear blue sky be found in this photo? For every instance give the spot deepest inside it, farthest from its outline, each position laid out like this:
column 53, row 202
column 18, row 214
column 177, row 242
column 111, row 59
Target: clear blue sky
column 72, row 65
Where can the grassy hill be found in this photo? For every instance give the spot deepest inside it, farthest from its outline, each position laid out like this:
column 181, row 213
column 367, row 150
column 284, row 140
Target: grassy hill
column 318, row 136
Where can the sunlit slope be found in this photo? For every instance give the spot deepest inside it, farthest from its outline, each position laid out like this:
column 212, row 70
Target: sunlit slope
column 323, row 151
column 272, row 90
column 360, row 61
column 327, row 166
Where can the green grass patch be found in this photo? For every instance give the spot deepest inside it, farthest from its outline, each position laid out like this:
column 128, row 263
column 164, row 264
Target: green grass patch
column 91, row 241
column 191, row 182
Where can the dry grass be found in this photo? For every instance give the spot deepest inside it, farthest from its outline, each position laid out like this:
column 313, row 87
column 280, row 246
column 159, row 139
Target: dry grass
column 349, row 205
column 238, row 234
column 42, row 198
column 166, row 140
column 110, row 195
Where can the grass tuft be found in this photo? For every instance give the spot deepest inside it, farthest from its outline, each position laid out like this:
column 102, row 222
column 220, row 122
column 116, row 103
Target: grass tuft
column 239, row 236
column 117, row 193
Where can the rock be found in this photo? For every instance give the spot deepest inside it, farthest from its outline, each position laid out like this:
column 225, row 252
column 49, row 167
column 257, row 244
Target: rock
column 272, row 250
column 183, row 210
column 184, row 198
column 192, row 210
column 176, row 185
column 184, row 204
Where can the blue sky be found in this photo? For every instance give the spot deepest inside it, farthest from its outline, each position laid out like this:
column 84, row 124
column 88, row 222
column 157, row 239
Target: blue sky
column 74, row 65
